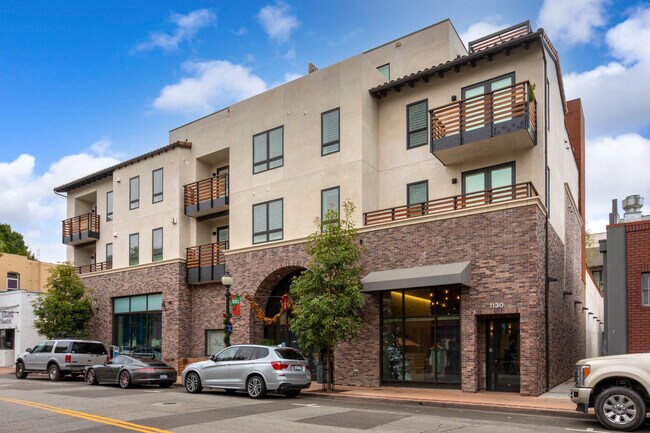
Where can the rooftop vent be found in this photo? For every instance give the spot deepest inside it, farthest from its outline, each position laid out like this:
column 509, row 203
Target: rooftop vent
column 632, row 205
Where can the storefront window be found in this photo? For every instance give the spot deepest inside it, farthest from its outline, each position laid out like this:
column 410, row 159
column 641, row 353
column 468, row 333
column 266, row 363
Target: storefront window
column 421, row 336
column 6, row 339
column 137, row 324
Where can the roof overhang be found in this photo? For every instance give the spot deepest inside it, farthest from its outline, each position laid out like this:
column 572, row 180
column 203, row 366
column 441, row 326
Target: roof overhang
column 422, row 276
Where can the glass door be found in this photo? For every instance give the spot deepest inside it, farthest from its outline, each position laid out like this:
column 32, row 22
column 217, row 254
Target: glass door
column 502, row 355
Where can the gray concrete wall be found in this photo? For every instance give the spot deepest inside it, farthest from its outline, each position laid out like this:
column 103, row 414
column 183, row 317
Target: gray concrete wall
column 616, row 292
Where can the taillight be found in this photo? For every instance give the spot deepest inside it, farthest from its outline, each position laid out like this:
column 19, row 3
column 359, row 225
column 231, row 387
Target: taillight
column 145, row 370
column 108, row 358
column 277, row 365
column 68, row 358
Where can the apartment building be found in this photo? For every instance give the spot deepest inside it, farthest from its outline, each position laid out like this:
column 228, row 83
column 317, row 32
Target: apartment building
column 466, row 167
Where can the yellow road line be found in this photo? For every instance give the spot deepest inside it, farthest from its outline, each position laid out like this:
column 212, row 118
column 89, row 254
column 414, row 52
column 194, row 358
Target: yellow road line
column 87, row 416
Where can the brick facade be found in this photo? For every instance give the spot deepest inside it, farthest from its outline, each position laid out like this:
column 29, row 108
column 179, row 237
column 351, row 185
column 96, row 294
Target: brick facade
column 638, row 261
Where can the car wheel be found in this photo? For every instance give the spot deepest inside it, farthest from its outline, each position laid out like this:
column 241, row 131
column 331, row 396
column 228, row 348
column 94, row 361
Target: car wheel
column 54, row 373
column 193, row 383
column 255, row 387
column 292, row 393
column 230, row 391
column 20, row 370
column 125, row 379
column 91, row 377
column 165, row 385
column 620, row 408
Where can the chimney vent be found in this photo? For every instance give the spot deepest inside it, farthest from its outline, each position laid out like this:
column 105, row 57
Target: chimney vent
column 632, row 205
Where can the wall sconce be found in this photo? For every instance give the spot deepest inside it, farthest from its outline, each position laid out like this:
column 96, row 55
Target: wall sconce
column 567, row 293
column 164, row 305
column 577, row 302
column 585, row 309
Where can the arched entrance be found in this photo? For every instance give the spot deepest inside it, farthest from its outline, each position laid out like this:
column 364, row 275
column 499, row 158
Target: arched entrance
column 279, row 332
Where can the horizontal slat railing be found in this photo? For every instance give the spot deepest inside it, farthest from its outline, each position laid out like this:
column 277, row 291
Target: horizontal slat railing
column 206, row 190
column 448, row 204
column 482, row 110
column 500, row 37
column 81, row 223
column 206, row 255
column 95, row 267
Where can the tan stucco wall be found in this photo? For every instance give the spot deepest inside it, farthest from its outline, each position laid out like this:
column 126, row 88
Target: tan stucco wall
column 33, row 274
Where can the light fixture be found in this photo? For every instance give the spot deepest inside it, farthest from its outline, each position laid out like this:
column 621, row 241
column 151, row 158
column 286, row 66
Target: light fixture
column 577, row 302
column 552, row 279
column 585, row 309
column 567, row 293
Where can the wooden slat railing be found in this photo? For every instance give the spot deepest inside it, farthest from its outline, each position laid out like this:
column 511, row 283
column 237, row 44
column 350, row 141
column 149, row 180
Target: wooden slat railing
column 206, row 190
column 81, row 223
column 206, row 255
column 482, row 110
column 95, row 267
column 448, row 204
column 499, row 37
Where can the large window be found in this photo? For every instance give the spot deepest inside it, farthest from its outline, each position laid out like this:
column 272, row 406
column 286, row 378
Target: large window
column 491, row 178
column 330, row 131
column 156, row 244
column 109, row 206
column 418, row 192
column 267, row 221
column 385, row 71
column 109, row 252
column 268, row 150
column 329, row 201
column 157, row 186
column 7, row 339
column 134, row 249
column 213, row 341
column 645, row 288
column 137, row 324
column 134, row 192
column 421, row 336
column 13, row 281
column 416, row 118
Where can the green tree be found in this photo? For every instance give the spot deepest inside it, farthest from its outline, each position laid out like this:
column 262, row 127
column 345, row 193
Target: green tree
column 65, row 309
column 327, row 296
column 12, row 242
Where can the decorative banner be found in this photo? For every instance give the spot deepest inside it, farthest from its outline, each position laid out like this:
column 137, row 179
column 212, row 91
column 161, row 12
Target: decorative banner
column 237, row 304
column 286, row 303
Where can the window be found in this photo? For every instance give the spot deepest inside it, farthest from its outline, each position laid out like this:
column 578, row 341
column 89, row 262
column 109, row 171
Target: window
column 645, row 288
column 13, row 280
column 489, row 178
column 416, row 119
column 137, row 324
column 109, row 252
column 267, row 221
column 157, row 186
column 598, row 278
column 109, row 206
column 134, row 249
column 268, row 150
column 417, row 192
column 134, row 192
column 385, row 71
column 245, row 353
column 330, row 131
column 61, row 347
column 156, row 244
column 213, row 341
column 7, row 339
column 47, row 348
column 228, row 354
column 329, row 201
column 223, row 236
column 475, row 107
column 87, row 347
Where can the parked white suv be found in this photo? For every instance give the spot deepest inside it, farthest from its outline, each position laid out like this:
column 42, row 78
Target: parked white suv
column 60, row 357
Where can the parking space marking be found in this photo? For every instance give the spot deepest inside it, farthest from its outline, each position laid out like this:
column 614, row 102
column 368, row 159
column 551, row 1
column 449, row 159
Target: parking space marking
column 306, row 405
column 87, row 416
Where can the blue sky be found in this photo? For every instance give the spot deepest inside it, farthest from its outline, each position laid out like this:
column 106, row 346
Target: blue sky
column 85, row 84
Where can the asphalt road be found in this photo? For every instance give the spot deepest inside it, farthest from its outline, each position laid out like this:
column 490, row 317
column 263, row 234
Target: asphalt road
column 38, row 405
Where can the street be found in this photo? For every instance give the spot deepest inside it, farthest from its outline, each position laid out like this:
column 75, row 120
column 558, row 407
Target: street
column 36, row 405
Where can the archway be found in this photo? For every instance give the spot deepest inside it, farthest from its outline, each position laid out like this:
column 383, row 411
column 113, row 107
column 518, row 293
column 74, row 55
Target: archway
column 279, row 332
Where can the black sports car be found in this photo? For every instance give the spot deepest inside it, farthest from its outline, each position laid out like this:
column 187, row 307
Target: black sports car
column 131, row 370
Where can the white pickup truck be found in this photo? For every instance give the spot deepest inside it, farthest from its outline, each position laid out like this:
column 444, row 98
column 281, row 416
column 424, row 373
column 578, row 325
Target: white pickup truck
column 616, row 387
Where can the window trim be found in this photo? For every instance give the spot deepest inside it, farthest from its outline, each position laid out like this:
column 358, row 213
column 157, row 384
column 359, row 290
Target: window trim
column 109, row 215
column 426, row 123
column 138, row 257
column 408, row 185
column 16, row 279
column 267, row 232
column 268, row 160
column 322, row 202
column 153, row 259
column 153, row 185
column 386, row 64
column 323, row 145
column 645, row 289
column 135, row 202
column 488, row 182
column 106, row 252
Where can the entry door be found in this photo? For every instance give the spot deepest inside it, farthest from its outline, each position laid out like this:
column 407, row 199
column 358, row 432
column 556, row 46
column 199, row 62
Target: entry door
column 502, row 355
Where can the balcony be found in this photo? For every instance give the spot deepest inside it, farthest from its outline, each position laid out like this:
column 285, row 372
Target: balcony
column 207, row 196
column 450, row 204
column 81, row 229
column 206, row 263
column 499, row 37
column 95, row 267
column 482, row 126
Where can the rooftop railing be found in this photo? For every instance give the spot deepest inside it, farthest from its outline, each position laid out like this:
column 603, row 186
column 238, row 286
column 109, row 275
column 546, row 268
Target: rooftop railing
column 499, row 37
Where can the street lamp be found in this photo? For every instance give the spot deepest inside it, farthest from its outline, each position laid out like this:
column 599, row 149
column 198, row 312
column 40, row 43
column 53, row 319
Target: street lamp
column 227, row 281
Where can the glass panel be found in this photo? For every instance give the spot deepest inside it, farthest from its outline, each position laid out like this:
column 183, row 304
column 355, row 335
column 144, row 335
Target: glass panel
column 214, row 341
column 109, row 206
column 154, row 302
column 154, row 332
column 228, row 354
column 330, row 126
column 474, row 182
column 138, row 303
column 503, row 100
column 158, row 185
column 417, row 124
column 275, row 215
column 501, row 177
column 121, row 305
column 474, row 108
column 134, row 249
column 392, row 347
column 222, row 234
column 385, row 71
column 157, row 245
column 109, row 252
column 275, row 236
column 329, row 201
column 138, row 338
column 245, row 353
column 259, row 218
column 259, row 168
column 259, row 238
column 123, row 332
column 446, row 352
column 418, row 337
column 275, row 142
column 134, row 192
column 417, row 193
column 417, row 138
column 7, row 339
column 330, row 148
column 276, row 163
column 12, row 280
column 500, row 84
column 259, row 148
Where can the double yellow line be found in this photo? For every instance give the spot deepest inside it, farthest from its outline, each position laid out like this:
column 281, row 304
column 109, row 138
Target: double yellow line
column 87, row 416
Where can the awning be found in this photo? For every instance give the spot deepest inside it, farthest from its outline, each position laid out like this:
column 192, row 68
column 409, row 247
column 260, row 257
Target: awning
column 422, row 276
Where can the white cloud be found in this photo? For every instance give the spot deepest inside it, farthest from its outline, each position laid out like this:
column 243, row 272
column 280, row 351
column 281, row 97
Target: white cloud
column 276, row 21
column 290, row 54
column 482, row 28
column 572, row 21
column 240, row 31
column 616, row 167
column 212, row 84
column 29, row 204
column 186, row 27
column 614, row 95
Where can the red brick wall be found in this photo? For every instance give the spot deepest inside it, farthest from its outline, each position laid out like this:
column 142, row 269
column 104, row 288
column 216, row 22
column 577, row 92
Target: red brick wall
column 638, row 261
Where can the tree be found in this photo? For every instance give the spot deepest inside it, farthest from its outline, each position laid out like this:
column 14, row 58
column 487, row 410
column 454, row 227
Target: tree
column 12, row 242
column 65, row 309
column 327, row 296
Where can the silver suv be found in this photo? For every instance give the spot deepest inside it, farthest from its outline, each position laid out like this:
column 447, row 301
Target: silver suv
column 251, row 368
column 60, row 357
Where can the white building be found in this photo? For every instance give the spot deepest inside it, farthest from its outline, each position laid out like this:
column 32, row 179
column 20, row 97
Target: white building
column 17, row 331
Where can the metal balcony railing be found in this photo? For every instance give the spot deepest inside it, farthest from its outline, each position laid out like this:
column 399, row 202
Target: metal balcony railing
column 80, row 228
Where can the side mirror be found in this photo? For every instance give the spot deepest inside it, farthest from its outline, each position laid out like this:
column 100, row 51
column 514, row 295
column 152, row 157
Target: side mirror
column 213, row 358
column 28, row 350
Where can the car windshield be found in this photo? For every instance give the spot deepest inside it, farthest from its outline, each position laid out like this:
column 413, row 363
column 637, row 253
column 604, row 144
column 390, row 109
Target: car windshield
column 289, row 354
